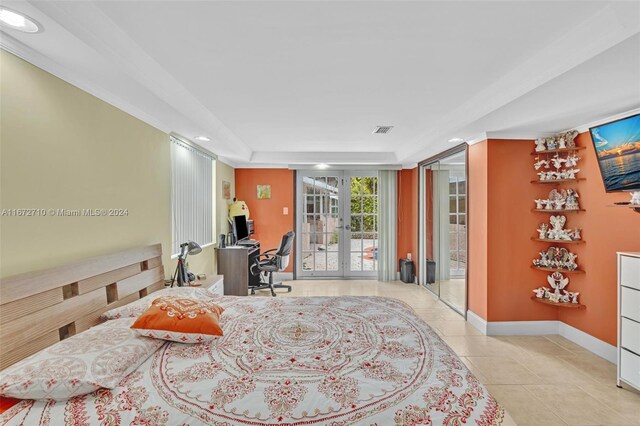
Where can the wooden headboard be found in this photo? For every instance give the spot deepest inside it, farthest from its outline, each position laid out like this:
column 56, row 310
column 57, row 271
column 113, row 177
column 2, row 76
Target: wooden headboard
column 38, row 309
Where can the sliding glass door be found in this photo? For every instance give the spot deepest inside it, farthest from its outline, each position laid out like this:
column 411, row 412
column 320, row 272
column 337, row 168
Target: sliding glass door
column 443, row 228
column 337, row 222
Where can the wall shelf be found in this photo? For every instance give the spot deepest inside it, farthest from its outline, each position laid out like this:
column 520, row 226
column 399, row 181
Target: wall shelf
column 558, row 241
column 633, row 207
column 558, row 211
column 564, row 271
column 555, row 181
column 558, row 304
column 559, row 150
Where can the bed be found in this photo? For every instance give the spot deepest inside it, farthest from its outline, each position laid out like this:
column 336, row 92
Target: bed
column 290, row 361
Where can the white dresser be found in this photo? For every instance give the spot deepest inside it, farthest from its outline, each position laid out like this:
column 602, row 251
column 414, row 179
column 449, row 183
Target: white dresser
column 629, row 319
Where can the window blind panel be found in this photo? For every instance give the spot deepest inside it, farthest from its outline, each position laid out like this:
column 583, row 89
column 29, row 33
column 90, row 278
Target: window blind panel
column 191, row 195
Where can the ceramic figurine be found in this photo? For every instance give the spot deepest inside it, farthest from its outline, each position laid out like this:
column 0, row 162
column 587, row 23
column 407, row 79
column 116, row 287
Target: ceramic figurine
column 542, row 231
column 569, row 137
column 539, row 292
column 571, row 173
column 551, row 144
column 540, row 204
column 558, row 161
column 540, row 163
column 571, row 160
column 575, row 234
column 562, row 144
column 541, row 145
column 635, row 198
column 572, row 200
column 558, row 282
column 565, row 298
column 574, row 297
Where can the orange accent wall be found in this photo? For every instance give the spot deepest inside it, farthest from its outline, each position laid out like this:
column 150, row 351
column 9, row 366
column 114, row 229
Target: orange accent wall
column 501, row 225
column 270, row 224
column 408, row 214
column 606, row 231
column 477, row 228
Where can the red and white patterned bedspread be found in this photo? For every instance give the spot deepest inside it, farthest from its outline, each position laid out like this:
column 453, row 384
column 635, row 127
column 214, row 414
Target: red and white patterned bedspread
column 291, row 361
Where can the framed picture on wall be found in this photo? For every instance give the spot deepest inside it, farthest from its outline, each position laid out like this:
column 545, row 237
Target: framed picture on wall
column 264, row 192
column 226, row 189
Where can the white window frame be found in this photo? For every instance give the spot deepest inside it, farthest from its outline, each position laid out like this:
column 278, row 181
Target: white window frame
column 193, row 194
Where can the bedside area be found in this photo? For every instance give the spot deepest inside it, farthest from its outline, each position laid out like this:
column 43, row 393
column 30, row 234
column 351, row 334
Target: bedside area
column 214, row 284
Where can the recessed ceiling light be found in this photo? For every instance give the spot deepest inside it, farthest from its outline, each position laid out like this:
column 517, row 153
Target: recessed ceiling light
column 202, row 138
column 322, row 166
column 18, row 21
column 456, row 140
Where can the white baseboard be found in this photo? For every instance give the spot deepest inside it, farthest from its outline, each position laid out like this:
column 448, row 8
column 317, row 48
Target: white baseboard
column 587, row 341
column 531, row 328
column 477, row 321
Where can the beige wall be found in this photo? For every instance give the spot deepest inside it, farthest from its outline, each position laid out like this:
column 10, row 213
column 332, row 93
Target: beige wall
column 61, row 148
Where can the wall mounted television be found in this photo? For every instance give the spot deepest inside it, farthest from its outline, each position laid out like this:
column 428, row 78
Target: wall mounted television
column 617, row 146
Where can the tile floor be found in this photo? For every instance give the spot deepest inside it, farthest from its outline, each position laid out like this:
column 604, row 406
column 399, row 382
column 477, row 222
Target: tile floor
column 540, row 380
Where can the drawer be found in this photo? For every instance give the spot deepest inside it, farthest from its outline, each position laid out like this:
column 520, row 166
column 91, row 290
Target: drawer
column 630, row 367
column 630, row 335
column 217, row 287
column 630, row 271
column 630, row 303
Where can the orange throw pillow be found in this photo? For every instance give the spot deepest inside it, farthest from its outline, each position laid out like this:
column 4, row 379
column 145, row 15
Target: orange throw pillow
column 180, row 319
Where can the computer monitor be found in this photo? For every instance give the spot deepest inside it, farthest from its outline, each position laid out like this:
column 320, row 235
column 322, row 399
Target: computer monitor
column 240, row 228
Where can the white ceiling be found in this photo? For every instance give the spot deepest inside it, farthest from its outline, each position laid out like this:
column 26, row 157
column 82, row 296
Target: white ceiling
column 276, row 83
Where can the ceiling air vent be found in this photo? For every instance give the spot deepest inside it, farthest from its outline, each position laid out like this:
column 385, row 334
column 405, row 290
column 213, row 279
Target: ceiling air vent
column 382, row 129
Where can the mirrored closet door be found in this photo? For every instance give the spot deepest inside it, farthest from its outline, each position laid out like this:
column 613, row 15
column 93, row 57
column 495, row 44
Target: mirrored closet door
column 443, row 228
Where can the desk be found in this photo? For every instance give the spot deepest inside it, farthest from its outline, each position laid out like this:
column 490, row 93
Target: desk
column 234, row 263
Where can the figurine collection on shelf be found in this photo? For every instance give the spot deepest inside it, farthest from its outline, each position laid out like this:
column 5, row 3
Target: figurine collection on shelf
column 557, row 258
column 556, row 231
column 559, row 199
column 558, row 283
column 560, row 141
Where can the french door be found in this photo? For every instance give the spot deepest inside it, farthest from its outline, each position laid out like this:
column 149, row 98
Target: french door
column 337, row 224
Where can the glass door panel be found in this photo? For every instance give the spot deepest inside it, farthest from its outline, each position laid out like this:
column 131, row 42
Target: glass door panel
column 362, row 217
column 319, row 223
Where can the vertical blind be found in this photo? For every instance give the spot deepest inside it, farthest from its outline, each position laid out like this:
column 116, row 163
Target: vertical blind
column 191, row 195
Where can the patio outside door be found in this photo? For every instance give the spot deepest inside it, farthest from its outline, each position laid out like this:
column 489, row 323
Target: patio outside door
column 337, row 238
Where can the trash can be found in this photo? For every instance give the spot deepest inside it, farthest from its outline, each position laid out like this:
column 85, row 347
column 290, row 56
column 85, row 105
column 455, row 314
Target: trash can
column 431, row 271
column 407, row 271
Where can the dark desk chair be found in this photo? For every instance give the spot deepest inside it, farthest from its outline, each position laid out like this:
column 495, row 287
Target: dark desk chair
column 268, row 262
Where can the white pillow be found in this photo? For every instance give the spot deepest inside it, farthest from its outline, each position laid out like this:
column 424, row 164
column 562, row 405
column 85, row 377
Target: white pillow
column 137, row 308
column 97, row 358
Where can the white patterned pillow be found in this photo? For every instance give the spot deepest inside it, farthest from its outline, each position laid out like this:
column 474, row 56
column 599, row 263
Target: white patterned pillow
column 137, row 308
column 97, row 358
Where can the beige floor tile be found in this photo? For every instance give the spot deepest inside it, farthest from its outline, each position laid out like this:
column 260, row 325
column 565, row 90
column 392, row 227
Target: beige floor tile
column 575, row 406
column 522, row 407
column 503, row 371
column 553, row 370
column 624, row 401
column 592, row 365
column 536, row 345
column 480, row 346
column 567, row 344
column 456, row 328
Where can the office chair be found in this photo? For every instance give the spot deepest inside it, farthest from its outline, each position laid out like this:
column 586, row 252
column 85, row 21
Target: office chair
column 269, row 262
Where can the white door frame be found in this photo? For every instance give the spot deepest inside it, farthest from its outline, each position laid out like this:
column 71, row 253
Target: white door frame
column 344, row 224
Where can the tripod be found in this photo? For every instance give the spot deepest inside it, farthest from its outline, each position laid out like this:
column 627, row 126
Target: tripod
column 181, row 275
